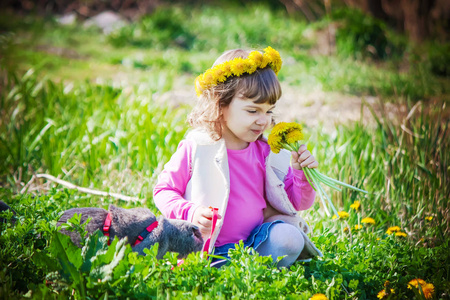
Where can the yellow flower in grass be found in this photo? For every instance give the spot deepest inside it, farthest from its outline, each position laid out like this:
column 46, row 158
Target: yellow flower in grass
column 318, row 297
column 427, row 288
column 342, row 215
column 429, row 218
column 358, row 227
column 393, row 229
column 415, row 283
column 356, row 205
column 368, row 220
column 383, row 294
column 402, row 234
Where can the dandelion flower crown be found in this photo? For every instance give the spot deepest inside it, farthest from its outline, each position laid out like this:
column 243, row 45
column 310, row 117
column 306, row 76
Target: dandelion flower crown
column 237, row 67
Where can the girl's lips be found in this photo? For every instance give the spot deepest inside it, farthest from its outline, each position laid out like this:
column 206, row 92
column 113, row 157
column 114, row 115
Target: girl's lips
column 257, row 132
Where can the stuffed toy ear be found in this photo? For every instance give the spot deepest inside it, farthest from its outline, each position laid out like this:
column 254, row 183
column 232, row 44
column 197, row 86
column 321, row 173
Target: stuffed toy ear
column 118, row 212
column 113, row 208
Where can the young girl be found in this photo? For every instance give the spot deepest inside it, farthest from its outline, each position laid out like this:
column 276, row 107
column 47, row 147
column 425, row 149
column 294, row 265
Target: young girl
column 225, row 163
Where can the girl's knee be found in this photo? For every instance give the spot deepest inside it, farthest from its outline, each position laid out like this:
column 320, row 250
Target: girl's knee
column 287, row 238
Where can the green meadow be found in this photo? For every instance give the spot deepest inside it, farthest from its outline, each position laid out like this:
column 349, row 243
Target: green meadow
column 105, row 112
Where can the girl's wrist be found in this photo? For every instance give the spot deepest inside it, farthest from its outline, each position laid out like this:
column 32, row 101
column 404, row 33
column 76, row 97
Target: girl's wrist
column 191, row 212
column 299, row 174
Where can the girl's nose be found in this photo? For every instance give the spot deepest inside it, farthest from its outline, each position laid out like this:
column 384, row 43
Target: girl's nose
column 263, row 120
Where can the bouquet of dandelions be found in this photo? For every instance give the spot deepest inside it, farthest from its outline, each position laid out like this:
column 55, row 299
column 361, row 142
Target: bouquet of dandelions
column 288, row 136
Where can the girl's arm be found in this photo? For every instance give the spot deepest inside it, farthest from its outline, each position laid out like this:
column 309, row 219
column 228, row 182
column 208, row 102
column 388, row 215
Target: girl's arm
column 170, row 188
column 299, row 191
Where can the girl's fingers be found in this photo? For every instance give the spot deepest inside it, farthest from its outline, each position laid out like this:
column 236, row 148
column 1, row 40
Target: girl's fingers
column 302, row 149
column 304, row 156
column 309, row 162
column 204, row 222
column 315, row 164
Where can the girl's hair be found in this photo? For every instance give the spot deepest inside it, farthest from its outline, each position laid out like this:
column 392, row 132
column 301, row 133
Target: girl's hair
column 262, row 87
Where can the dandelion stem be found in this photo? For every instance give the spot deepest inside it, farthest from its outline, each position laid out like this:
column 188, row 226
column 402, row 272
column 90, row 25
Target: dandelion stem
column 342, row 183
column 326, row 181
column 308, row 175
column 322, row 199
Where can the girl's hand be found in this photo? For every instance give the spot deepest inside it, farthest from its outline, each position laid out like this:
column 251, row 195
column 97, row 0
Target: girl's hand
column 202, row 218
column 303, row 158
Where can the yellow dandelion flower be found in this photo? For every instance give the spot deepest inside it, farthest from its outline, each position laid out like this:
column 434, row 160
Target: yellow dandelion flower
column 355, row 205
column 227, row 69
column 285, row 134
column 274, row 142
column 383, row 294
column 345, row 229
column 358, row 227
column 429, row 218
column 342, row 215
column 428, row 290
column 294, row 136
column 238, row 66
column 415, row 283
column 208, row 78
column 402, row 234
column 256, row 57
column 281, row 128
column 368, row 220
column 273, row 58
column 219, row 74
column 198, row 85
column 393, row 229
column 318, row 297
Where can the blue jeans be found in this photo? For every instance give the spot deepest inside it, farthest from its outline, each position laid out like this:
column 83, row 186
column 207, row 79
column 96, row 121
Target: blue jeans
column 254, row 240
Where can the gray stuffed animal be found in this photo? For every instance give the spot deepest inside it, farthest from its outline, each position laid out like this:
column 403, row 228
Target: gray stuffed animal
column 172, row 235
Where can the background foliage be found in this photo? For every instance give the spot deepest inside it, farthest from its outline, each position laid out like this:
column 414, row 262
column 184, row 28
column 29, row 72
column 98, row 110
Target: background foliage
column 85, row 106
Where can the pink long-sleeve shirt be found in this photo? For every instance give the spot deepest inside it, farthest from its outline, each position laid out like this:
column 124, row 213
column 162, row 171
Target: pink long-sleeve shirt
column 247, row 197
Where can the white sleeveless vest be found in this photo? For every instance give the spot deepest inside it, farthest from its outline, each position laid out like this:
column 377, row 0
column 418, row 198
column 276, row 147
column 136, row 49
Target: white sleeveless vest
column 210, row 186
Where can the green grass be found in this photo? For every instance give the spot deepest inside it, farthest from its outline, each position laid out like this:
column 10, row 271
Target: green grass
column 106, row 139
column 60, row 119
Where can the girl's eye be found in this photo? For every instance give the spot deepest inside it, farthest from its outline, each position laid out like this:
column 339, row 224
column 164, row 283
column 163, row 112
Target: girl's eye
column 252, row 111
column 270, row 112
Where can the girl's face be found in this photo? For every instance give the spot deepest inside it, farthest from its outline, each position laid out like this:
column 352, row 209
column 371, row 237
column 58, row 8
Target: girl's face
column 244, row 121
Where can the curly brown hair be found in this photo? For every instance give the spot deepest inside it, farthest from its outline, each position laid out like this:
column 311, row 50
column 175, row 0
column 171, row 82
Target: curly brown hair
column 262, row 87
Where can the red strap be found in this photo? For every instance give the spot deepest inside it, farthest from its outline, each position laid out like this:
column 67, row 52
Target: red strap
column 144, row 233
column 106, row 227
column 140, row 238
column 213, row 227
